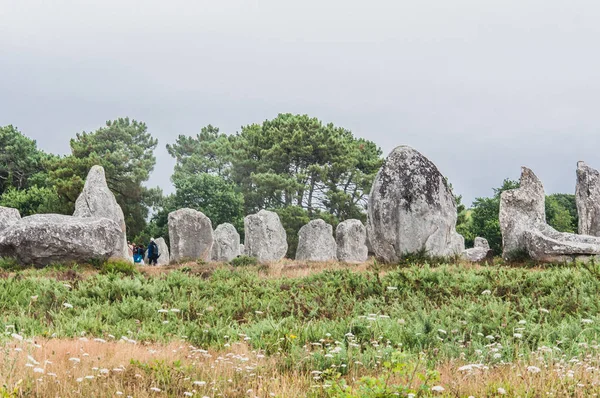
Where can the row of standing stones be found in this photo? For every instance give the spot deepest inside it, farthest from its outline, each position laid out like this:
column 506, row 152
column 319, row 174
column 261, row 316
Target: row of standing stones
column 411, row 209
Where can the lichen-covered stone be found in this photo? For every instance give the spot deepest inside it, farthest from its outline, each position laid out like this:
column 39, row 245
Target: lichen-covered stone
column 8, row 216
column 43, row 239
column 316, row 242
column 587, row 198
column 524, row 228
column 190, row 234
column 351, row 239
column 97, row 200
column 163, row 252
column 479, row 252
column 411, row 208
column 227, row 243
column 521, row 209
column 265, row 237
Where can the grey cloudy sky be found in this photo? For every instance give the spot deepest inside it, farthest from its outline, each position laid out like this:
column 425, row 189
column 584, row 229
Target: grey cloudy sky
column 479, row 87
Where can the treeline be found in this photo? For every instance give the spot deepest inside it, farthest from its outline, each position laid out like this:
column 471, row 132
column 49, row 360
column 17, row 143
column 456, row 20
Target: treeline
column 294, row 165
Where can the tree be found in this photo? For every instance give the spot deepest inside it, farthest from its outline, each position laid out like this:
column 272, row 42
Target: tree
column 20, row 159
column 295, row 160
column 126, row 151
column 561, row 212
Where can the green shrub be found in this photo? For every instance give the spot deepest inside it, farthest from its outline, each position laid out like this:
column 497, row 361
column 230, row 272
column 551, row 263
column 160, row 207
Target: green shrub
column 9, row 264
column 119, row 267
column 243, row 261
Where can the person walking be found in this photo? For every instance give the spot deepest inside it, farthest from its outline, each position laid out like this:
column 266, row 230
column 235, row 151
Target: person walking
column 152, row 252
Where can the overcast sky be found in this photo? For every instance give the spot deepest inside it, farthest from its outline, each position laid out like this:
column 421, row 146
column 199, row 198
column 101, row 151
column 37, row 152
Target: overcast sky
column 479, row 87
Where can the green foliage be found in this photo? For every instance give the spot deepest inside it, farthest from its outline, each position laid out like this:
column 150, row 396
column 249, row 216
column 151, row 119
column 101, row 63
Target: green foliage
column 561, row 212
column 126, row 151
column 9, row 264
column 20, row 159
column 243, row 261
column 32, row 200
column 484, row 217
column 120, row 267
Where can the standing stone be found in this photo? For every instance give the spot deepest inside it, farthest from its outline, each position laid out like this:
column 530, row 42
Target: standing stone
column 191, row 235
column 521, row 209
column 316, row 242
column 44, row 239
column 411, row 208
column 351, row 239
column 587, row 198
column 163, row 251
column 96, row 200
column 8, row 216
column 227, row 243
column 480, row 252
column 242, row 249
column 265, row 236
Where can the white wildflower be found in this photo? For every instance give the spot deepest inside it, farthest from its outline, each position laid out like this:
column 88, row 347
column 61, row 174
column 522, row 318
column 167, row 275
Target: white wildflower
column 533, row 369
column 155, row 389
column 437, row 388
column 517, row 335
column 67, row 305
column 38, row 370
column 588, row 321
column 17, row 337
column 501, row 391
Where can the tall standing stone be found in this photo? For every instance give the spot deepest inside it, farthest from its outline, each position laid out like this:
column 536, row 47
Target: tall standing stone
column 97, row 200
column 587, row 198
column 351, row 239
column 411, row 208
column 8, row 216
column 227, row 243
column 163, row 251
column 191, row 235
column 265, row 236
column 521, row 209
column 316, row 242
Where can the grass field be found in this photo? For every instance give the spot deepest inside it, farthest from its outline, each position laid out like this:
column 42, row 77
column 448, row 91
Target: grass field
column 292, row 330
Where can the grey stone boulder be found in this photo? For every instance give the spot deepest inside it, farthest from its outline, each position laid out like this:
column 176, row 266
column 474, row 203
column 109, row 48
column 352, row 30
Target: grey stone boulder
column 163, row 251
column 411, row 208
column 164, row 257
column 227, row 243
column 587, row 199
column 545, row 244
column 242, row 249
column 521, row 209
column 190, row 234
column 266, row 238
column 481, row 251
column 43, row 239
column 8, row 216
column 524, row 228
column 351, row 240
column 97, row 200
column 316, row 242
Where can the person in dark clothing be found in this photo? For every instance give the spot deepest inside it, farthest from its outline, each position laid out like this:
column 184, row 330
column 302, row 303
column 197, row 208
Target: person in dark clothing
column 152, row 252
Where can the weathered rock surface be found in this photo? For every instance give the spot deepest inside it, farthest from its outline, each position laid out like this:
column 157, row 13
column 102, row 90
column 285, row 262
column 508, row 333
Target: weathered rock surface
column 479, row 252
column 521, row 209
column 351, row 240
column 8, row 216
column 587, row 198
column 411, row 208
column 316, row 242
column 227, row 243
column 163, row 251
column 191, row 235
column 524, row 228
column 242, row 249
column 97, row 200
column 42, row 239
column 265, row 236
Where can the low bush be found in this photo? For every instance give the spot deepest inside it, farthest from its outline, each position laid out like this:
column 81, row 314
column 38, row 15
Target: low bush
column 243, row 261
column 119, row 267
